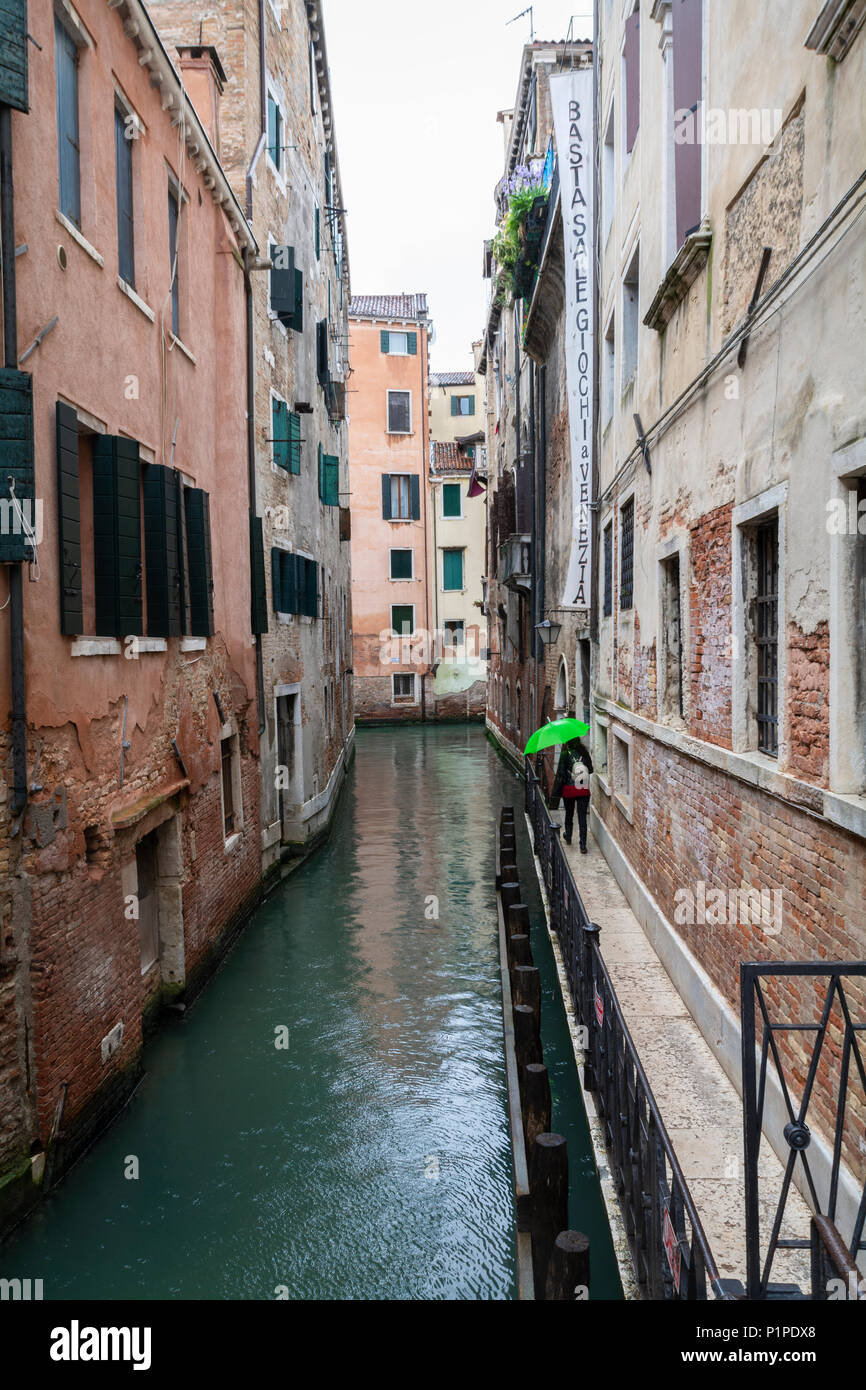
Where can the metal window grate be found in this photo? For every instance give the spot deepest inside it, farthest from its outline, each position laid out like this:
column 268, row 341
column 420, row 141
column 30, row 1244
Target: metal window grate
column 626, row 583
column 767, row 635
column 608, row 569
column 228, row 788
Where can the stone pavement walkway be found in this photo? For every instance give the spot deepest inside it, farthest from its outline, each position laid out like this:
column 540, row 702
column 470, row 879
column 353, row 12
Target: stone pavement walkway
column 700, row 1106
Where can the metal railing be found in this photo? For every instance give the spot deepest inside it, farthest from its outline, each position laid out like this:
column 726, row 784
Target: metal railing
column 672, row 1255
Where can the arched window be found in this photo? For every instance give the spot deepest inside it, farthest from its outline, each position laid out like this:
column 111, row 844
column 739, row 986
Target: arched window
column 518, row 711
column 508, row 704
column 562, row 688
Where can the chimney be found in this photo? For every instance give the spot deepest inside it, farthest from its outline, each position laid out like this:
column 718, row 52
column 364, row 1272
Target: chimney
column 204, row 80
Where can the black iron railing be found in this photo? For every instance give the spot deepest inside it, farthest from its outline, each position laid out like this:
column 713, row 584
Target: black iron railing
column 672, row 1255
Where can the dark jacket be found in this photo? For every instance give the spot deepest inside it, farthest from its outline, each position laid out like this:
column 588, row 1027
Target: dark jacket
column 570, row 754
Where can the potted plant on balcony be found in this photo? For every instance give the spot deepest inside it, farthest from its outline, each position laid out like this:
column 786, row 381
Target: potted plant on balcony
column 515, row 246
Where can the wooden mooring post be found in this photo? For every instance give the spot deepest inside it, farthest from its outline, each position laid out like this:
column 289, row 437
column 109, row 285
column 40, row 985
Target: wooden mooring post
column 568, row 1268
column 548, row 1201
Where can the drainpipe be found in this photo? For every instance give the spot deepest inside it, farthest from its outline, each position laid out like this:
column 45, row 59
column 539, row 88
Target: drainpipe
column 10, row 358
column 251, row 467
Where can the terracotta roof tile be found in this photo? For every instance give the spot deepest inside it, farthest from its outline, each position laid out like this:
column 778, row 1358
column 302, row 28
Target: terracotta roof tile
column 452, row 378
column 449, row 458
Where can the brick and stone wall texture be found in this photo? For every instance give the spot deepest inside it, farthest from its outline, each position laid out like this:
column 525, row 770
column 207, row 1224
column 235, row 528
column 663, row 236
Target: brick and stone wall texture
column 710, row 666
column 695, row 825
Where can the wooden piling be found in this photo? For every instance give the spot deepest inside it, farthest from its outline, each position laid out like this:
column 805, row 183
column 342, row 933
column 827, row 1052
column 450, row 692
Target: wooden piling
column 527, row 1042
column 510, row 894
column 548, row 1187
column 517, row 919
column 527, row 989
column 519, row 949
column 535, row 1102
column 568, row 1268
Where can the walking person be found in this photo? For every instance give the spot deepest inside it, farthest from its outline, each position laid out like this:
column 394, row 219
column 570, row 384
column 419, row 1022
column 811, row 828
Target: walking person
column 572, row 784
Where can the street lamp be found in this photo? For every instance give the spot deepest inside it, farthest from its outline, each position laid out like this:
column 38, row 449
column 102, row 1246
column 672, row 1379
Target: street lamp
column 548, row 632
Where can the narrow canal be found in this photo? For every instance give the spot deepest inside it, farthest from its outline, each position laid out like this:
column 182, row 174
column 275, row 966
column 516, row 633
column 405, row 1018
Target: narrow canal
column 368, row 1158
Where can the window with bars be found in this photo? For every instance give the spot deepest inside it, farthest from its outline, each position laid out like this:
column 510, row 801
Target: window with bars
column 403, row 686
column 766, row 629
column 68, row 140
column 275, row 134
column 626, row 555
column 227, row 750
column 399, row 412
column 608, row 570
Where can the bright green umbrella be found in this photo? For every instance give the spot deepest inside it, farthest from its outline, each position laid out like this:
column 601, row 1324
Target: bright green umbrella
column 558, row 731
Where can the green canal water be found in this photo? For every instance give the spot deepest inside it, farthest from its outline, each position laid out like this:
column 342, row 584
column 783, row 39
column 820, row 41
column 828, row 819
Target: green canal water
column 369, row 1158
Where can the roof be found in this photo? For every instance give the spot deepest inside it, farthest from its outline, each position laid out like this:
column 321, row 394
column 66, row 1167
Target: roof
column 449, row 458
column 388, row 306
column 452, row 378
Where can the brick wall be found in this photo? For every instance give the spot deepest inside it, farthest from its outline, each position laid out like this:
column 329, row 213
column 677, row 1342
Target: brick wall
column 711, row 650
column 809, row 702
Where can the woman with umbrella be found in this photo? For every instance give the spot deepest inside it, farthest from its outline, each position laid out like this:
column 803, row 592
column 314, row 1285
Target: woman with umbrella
column 573, row 773
column 572, row 784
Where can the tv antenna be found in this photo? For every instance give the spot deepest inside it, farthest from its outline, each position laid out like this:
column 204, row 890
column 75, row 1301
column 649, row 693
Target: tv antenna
column 530, row 11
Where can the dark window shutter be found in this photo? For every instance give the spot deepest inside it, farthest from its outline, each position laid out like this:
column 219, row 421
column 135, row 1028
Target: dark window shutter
column 455, row 405
column 632, row 79
column 415, row 486
column 385, row 340
column 16, row 461
column 277, row 580
column 13, row 54
column 174, row 262
column 117, row 536
column 330, row 480
column 123, row 187
column 161, row 551
column 310, row 597
column 317, row 233
column 290, row 566
column 283, row 282
column 200, row 566
column 68, row 143
column 386, row 496
column 412, row 340
column 329, row 181
column 69, row 518
column 298, row 317
column 322, row 351
column 688, row 74
column 258, row 592
column 471, row 406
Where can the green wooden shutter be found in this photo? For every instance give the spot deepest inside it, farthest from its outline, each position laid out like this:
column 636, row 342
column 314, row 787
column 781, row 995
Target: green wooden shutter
column 277, row 581
column 290, row 565
column 69, row 521
column 198, row 547
column 258, row 592
column 415, row 487
column 310, row 596
column 412, row 339
column 455, row 406
column 283, row 282
column 386, row 496
column 280, row 418
column 16, row 462
column 161, row 550
column 322, row 352
column 317, row 234
column 117, row 560
column 330, row 480
column 452, row 569
column 13, row 54
column 471, row 405
column 294, row 423
column 385, row 340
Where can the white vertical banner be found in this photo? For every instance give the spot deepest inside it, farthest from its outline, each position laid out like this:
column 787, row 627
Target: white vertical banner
column 571, row 99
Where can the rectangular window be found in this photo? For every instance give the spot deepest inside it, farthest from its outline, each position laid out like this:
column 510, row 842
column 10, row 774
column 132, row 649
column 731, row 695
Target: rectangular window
column 295, row 584
column 68, row 142
column 226, row 752
column 329, row 478
column 403, row 687
column 399, row 412
column 402, row 564
column 452, row 500
column 452, row 569
column 630, row 319
column 284, row 286
column 455, row 634
column 286, row 427
column 399, row 344
column 672, row 672
column 275, row 134
column 403, row 619
column 173, row 262
column 147, row 874
column 631, row 65
column 688, row 82
column 608, row 570
column 767, row 635
column 317, row 243
column 401, row 497
column 123, row 187
column 462, row 405
column 626, row 555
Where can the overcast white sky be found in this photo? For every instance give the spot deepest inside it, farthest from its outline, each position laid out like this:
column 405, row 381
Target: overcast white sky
column 416, row 89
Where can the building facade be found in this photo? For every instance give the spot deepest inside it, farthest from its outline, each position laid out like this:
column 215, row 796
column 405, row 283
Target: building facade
column 730, row 661
column 130, row 824
column 532, row 480
column 278, row 145
column 392, row 588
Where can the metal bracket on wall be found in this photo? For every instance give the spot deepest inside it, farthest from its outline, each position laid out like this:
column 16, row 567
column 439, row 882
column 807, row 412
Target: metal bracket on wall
column 644, row 446
column 759, row 284
column 176, row 751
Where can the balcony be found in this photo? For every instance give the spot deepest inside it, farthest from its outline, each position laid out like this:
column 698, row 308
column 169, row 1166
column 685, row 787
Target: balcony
column 515, row 563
